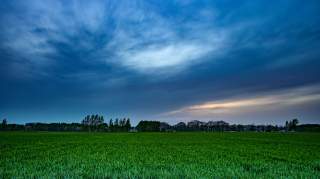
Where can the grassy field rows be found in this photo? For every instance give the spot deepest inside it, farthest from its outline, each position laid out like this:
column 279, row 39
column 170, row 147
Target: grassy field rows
column 160, row 155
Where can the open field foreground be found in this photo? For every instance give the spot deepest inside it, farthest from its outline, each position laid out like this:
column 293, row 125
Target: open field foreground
column 169, row 155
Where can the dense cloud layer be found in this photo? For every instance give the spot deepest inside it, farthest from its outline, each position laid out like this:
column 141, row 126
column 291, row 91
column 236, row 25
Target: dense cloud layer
column 160, row 60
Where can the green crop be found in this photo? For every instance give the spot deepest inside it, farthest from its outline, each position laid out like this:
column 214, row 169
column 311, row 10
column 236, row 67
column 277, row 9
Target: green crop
column 159, row 155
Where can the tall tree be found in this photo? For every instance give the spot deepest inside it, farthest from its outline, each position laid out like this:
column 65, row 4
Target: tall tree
column 101, row 120
column 4, row 123
column 111, row 126
column 287, row 125
column 122, row 122
column 116, row 123
column 294, row 124
column 128, row 124
column 96, row 120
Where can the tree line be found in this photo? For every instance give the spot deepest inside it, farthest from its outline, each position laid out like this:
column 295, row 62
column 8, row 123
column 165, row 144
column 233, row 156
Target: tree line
column 91, row 123
column 96, row 123
column 213, row 126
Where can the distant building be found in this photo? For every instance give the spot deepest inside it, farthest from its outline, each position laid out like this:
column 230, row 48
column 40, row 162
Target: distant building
column 195, row 124
column 216, row 123
column 180, row 124
column 164, row 126
column 217, row 126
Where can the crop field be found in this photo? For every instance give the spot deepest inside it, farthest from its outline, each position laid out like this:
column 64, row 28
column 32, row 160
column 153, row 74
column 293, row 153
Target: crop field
column 159, row 155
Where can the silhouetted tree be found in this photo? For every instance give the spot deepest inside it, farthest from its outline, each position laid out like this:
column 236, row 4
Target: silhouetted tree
column 121, row 124
column 148, row 126
column 4, row 124
column 93, row 122
column 164, row 127
column 128, row 124
column 96, row 120
column 181, row 126
column 116, row 123
column 111, row 126
column 101, row 119
column 308, row 128
column 292, row 125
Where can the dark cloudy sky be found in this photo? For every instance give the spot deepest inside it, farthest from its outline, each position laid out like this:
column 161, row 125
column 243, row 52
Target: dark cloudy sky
column 175, row 60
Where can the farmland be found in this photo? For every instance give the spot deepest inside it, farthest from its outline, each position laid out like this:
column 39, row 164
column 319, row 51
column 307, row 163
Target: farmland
column 163, row 155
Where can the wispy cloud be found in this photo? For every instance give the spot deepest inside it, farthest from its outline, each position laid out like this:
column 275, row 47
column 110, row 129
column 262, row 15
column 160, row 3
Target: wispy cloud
column 140, row 38
column 160, row 44
column 184, row 55
column 164, row 56
column 276, row 100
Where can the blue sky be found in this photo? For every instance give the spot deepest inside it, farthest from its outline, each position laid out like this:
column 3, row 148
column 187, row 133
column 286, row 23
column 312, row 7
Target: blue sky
column 238, row 61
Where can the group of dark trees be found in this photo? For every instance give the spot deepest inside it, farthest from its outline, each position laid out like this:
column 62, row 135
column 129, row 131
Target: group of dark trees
column 120, row 125
column 291, row 125
column 146, row 126
column 4, row 123
column 220, row 126
column 37, row 126
column 12, row 127
column 211, row 126
column 96, row 123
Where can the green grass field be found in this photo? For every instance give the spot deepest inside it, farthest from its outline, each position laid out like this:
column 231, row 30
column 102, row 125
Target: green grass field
column 159, row 155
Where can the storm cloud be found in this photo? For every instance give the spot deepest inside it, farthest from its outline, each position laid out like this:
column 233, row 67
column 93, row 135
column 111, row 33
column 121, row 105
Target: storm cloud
column 160, row 60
